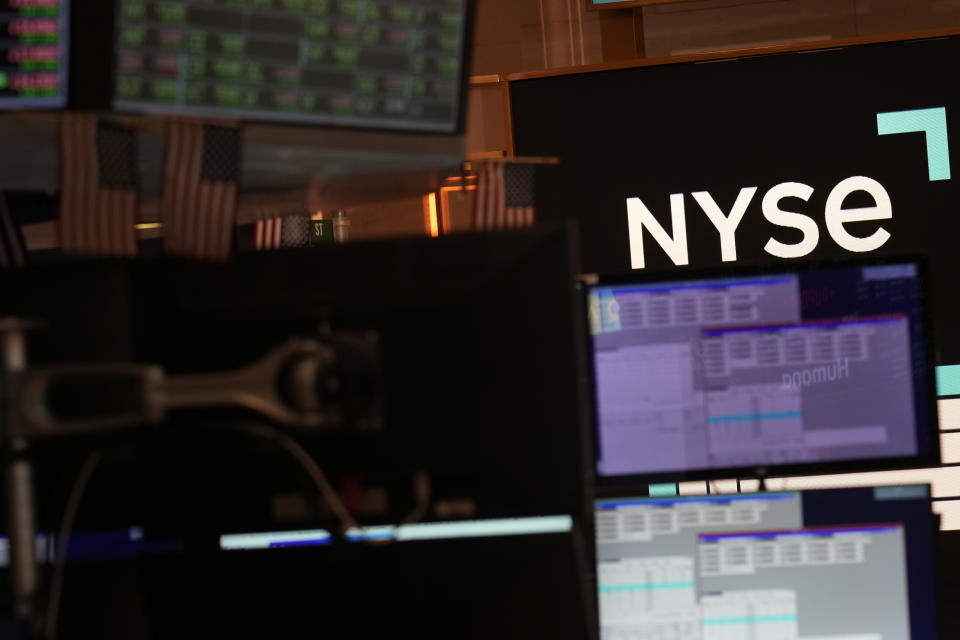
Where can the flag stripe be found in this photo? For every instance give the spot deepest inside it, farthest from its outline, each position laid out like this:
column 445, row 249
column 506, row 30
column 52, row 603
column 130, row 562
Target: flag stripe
column 227, row 225
column 183, row 189
column 480, row 205
column 168, row 206
column 495, row 199
column 501, row 182
column 65, row 226
column 90, row 227
column 212, row 198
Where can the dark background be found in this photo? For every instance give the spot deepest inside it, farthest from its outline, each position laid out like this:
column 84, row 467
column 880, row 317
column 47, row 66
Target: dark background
column 758, row 121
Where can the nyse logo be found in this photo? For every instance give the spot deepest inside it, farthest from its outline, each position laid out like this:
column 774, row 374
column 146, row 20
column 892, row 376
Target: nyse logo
column 931, row 122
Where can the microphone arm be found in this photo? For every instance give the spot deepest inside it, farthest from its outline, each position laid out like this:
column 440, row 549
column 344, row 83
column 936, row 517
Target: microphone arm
column 285, row 386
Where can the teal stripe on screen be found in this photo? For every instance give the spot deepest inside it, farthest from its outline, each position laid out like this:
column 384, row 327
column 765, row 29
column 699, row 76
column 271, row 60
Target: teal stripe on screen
column 644, row 586
column 749, row 417
column 749, row 620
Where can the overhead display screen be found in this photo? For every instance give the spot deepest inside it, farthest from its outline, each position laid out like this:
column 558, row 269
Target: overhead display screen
column 792, row 370
column 357, row 63
column 802, row 155
column 34, row 46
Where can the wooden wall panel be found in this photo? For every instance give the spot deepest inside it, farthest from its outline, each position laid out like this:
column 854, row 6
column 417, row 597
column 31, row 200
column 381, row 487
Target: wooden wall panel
column 507, row 37
column 386, row 219
column 486, row 119
column 621, row 35
column 891, row 16
column 529, row 35
column 711, row 25
column 458, row 204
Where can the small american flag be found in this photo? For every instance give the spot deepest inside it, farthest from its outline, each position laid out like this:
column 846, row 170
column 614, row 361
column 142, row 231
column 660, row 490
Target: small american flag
column 99, row 184
column 200, row 189
column 506, row 195
column 289, row 232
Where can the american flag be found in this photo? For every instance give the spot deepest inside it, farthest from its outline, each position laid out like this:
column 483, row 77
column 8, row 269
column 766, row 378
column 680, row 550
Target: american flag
column 200, row 189
column 289, row 232
column 506, row 195
column 13, row 250
column 98, row 186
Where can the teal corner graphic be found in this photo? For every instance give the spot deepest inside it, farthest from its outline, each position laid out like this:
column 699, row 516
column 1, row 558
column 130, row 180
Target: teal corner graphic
column 948, row 380
column 663, row 490
column 932, row 122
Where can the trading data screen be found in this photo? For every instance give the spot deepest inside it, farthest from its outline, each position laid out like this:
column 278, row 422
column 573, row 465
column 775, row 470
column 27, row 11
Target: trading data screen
column 34, row 48
column 803, row 367
column 851, row 564
column 356, row 63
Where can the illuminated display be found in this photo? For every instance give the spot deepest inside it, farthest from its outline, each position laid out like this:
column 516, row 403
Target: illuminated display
column 33, row 46
column 366, row 63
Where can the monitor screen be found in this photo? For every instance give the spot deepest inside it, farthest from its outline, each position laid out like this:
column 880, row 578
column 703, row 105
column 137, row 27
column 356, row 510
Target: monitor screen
column 373, row 64
column 805, row 370
column 34, row 51
column 849, row 563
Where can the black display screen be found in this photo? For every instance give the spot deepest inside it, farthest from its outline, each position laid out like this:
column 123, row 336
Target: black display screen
column 370, row 64
column 820, row 154
column 33, row 53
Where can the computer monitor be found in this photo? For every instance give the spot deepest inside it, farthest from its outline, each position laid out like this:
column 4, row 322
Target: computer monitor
column 847, row 563
column 371, row 65
column 34, row 53
column 481, row 351
column 767, row 371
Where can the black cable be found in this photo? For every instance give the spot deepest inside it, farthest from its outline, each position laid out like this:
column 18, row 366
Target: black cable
column 306, row 461
column 80, row 482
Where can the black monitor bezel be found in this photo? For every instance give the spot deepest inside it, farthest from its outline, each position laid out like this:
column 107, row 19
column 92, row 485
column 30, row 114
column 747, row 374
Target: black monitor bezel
column 104, row 97
column 618, row 484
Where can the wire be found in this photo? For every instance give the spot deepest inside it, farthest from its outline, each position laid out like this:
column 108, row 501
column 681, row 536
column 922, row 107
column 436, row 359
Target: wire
column 421, row 494
column 421, row 480
column 63, row 541
column 303, row 457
